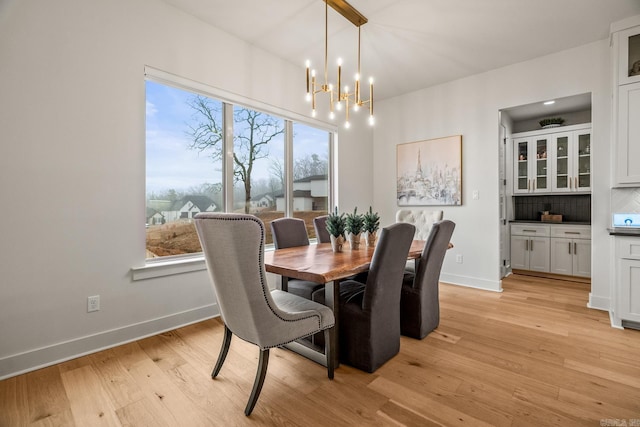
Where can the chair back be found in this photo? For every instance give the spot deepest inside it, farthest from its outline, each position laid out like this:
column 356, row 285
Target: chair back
column 430, row 264
column 289, row 232
column 320, row 225
column 422, row 219
column 384, row 280
column 233, row 246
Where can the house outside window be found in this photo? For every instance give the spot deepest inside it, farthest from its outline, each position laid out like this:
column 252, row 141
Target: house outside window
column 185, row 170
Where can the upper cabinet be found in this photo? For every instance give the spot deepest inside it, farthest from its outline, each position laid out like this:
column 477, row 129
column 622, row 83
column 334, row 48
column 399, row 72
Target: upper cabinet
column 626, row 89
column 553, row 162
column 572, row 161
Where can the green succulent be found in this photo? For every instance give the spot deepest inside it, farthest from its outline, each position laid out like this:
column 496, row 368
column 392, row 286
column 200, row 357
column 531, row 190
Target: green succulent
column 335, row 223
column 371, row 221
column 354, row 223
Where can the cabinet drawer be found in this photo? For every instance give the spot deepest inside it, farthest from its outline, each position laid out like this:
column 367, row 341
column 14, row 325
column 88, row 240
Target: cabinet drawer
column 530, row 230
column 628, row 248
column 571, row 231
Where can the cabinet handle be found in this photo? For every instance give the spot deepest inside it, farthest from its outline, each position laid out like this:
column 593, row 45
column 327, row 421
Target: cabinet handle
column 570, row 184
column 571, row 232
column 576, row 186
column 531, row 245
column 528, row 185
column 534, row 184
column 529, row 231
column 526, row 245
column 575, row 248
column 569, row 247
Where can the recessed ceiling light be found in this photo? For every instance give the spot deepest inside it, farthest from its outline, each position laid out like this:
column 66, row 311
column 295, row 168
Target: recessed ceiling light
column 549, row 102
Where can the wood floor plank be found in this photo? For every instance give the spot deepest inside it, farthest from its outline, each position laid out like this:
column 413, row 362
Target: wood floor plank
column 533, row 355
column 89, row 402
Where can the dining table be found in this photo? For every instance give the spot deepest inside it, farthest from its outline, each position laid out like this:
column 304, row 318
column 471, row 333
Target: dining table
column 319, row 263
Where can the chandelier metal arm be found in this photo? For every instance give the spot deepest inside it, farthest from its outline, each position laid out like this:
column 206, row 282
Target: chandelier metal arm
column 352, row 99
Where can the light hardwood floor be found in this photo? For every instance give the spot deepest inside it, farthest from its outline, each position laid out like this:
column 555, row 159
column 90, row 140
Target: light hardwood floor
column 532, row 355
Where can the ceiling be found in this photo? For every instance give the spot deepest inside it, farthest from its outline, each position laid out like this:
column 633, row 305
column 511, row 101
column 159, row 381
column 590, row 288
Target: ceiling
column 412, row 44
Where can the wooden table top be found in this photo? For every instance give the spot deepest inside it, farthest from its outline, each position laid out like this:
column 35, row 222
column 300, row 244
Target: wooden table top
column 318, row 263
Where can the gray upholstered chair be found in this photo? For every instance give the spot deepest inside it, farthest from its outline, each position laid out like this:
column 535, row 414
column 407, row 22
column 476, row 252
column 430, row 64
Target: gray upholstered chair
column 420, row 305
column 287, row 233
column 370, row 313
column 320, row 225
column 233, row 246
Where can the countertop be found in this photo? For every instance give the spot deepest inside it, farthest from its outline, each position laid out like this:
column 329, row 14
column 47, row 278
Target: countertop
column 624, row 231
column 530, row 221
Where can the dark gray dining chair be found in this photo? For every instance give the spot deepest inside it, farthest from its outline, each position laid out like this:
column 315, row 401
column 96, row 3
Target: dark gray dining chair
column 370, row 312
column 320, row 225
column 233, row 246
column 291, row 232
column 420, row 305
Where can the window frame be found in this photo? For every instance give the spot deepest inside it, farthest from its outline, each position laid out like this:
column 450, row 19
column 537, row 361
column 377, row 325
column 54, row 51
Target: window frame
column 184, row 263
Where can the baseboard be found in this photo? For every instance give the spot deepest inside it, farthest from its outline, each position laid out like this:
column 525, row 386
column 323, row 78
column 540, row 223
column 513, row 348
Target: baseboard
column 599, row 303
column 472, row 282
column 46, row 356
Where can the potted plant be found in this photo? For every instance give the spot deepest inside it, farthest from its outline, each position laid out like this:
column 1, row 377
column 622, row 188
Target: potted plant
column 353, row 225
column 371, row 223
column 551, row 122
column 335, row 227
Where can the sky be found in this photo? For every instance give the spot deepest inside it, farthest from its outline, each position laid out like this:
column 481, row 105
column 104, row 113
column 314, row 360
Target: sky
column 172, row 164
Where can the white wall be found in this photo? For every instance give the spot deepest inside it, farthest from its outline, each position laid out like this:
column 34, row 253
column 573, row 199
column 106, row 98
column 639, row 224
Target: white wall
column 470, row 107
column 72, row 144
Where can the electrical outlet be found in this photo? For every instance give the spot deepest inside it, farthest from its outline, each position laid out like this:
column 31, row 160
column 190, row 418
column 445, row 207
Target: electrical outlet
column 459, row 259
column 93, row 303
column 476, row 195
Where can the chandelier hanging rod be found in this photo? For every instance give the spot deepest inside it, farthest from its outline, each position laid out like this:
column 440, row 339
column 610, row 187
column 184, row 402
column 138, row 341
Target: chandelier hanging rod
column 348, row 11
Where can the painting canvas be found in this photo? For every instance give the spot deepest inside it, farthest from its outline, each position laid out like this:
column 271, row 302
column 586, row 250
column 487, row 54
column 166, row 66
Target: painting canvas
column 430, row 172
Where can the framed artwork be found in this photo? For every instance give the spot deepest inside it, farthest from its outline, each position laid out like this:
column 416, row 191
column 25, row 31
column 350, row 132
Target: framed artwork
column 429, row 173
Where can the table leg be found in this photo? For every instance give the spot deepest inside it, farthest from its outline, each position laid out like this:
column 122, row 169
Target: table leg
column 284, row 283
column 332, row 300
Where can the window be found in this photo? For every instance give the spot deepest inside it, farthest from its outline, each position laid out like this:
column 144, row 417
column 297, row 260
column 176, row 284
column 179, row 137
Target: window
column 185, row 165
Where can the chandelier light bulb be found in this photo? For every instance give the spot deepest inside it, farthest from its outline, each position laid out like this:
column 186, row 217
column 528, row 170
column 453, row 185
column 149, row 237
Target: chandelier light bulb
column 370, row 80
column 313, row 113
column 308, row 97
column 332, row 115
column 372, row 121
column 356, row 107
column 307, row 63
column 339, row 61
column 339, row 106
column 347, row 125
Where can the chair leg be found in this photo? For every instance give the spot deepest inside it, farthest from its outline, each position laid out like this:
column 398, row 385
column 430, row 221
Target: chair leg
column 223, row 351
column 257, row 384
column 329, row 350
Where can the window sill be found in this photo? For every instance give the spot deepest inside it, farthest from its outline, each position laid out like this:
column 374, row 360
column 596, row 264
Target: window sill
column 168, row 267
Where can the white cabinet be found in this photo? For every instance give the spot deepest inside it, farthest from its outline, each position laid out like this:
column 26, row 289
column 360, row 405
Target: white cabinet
column 530, row 247
column 552, row 161
column 571, row 157
column 626, row 90
column 627, row 292
column 571, row 250
column 627, row 166
column 531, row 164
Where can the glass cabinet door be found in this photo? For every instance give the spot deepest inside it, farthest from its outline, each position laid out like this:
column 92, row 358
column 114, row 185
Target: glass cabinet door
column 628, row 56
column 522, row 167
column 583, row 175
column 541, row 181
column 562, row 172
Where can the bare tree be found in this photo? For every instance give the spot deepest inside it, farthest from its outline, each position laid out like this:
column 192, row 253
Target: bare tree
column 253, row 131
column 309, row 166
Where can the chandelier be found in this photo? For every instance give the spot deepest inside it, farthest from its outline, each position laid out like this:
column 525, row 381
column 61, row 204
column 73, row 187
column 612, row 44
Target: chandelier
column 338, row 95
